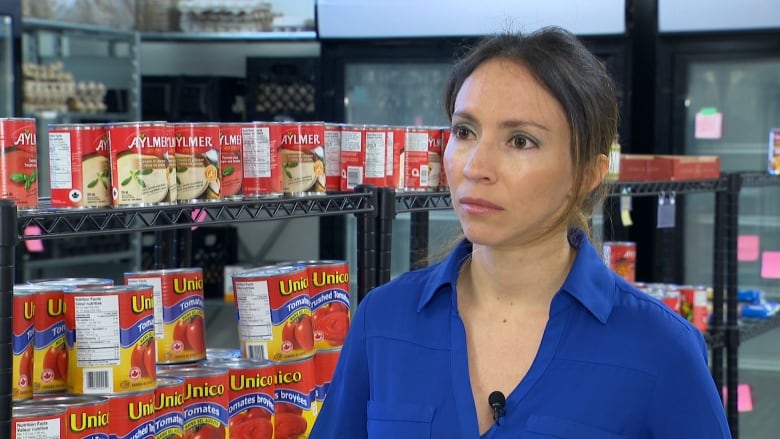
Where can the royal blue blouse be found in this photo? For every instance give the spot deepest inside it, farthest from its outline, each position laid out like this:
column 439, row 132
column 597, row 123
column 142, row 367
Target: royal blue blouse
column 613, row 363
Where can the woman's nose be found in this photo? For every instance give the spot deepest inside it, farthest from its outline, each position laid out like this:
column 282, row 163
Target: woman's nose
column 480, row 162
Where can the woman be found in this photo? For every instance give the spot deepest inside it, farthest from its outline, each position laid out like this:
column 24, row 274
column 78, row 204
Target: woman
column 523, row 306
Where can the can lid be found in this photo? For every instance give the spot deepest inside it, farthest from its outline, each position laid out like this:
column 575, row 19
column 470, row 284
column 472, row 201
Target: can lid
column 24, row 410
column 236, row 363
column 164, row 271
column 270, row 270
column 108, row 289
column 30, row 289
column 63, row 282
column 168, row 381
column 65, row 400
column 315, row 262
column 192, row 372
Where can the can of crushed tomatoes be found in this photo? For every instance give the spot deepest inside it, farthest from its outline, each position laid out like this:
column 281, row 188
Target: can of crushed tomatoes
column 79, row 170
column 620, row 257
column 19, row 162
column 325, row 362
column 132, row 414
column 274, row 312
column 37, row 422
column 143, row 164
column 295, row 407
column 23, row 338
column 262, row 173
column 168, row 408
column 302, row 158
column 250, row 397
column 231, row 172
column 179, row 312
column 112, row 350
column 85, row 417
column 205, row 405
column 329, row 292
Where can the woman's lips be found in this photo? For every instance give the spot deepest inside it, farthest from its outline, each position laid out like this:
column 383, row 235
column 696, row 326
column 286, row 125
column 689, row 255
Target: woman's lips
column 478, row 206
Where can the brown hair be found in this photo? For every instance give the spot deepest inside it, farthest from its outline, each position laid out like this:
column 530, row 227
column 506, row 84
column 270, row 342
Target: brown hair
column 580, row 84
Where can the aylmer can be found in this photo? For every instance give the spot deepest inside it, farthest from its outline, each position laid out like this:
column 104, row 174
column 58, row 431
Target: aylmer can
column 205, row 400
column 169, row 408
column 37, row 422
column 302, row 158
column 274, row 313
column 50, row 369
column 179, row 312
column 250, row 397
column 133, row 415
column 197, row 161
column 143, row 164
column 19, row 162
column 329, row 292
column 295, row 407
column 79, row 169
column 262, row 173
column 86, row 416
column 23, row 341
column 231, row 144
column 112, row 350
column 414, row 159
column 363, row 155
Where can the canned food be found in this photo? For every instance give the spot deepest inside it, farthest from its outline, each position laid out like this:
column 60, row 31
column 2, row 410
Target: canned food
column 222, row 354
column 363, row 155
column 85, row 417
column 613, row 171
column 445, row 139
column 168, row 408
column 132, row 414
column 332, row 156
column 143, row 165
column 250, row 397
column 31, row 422
column 19, row 162
column 325, row 362
column 227, row 279
column 693, row 306
column 197, row 161
column 329, row 292
column 295, row 408
column 774, row 151
column 302, row 158
column 179, row 312
column 414, row 159
column 231, row 146
column 113, row 349
column 262, row 173
column 620, row 257
column 205, row 400
column 79, row 170
column 274, row 313
column 396, row 137
column 23, row 341
column 434, row 158
column 50, row 355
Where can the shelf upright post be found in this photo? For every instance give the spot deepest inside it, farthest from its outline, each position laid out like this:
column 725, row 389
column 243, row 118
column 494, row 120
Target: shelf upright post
column 384, row 235
column 732, row 319
column 366, row 245
column 8, row 240
column 418, row 224
column 719, row 259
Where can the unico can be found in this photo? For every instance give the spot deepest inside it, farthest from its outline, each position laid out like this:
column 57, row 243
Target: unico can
column 231, row 146
column 168, row 408
column 143, row 165
column 112, row 350
column 329, row 292
column 22, row 341
column 86, row 416
column 133, row 415
column 41, row 422
column 205, row 400
column 178, row 312
column 250, row 397
column 19, row 162
column 262, row 173
column 295, row 408
column 197, row 161
column 325, row 362
column 79, row 169
column 302, row 158
column 274, row 313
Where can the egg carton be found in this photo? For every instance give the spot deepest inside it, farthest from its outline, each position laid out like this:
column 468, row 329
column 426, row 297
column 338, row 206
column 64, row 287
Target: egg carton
column 225, row 16
column 234, row 7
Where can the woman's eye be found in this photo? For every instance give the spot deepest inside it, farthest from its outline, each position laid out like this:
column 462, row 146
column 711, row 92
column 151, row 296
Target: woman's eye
column 461, row 132
column 521, row 142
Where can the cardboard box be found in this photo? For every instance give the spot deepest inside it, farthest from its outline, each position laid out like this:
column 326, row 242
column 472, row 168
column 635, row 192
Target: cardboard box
column 683, row 167
column 634, row 167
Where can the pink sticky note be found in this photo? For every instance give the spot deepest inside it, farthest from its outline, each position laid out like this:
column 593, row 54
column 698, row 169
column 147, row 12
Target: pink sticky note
column 33, row 245
column 708, row 126
column 744, row 397
column 770, row 265
column 198, row 215
column 747, row 247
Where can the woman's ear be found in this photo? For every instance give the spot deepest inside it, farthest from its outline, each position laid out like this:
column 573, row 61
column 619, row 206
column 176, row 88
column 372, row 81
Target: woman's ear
column 601, row 168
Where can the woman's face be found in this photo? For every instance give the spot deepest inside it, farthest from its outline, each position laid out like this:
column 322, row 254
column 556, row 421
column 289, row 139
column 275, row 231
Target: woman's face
column 508, row 162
